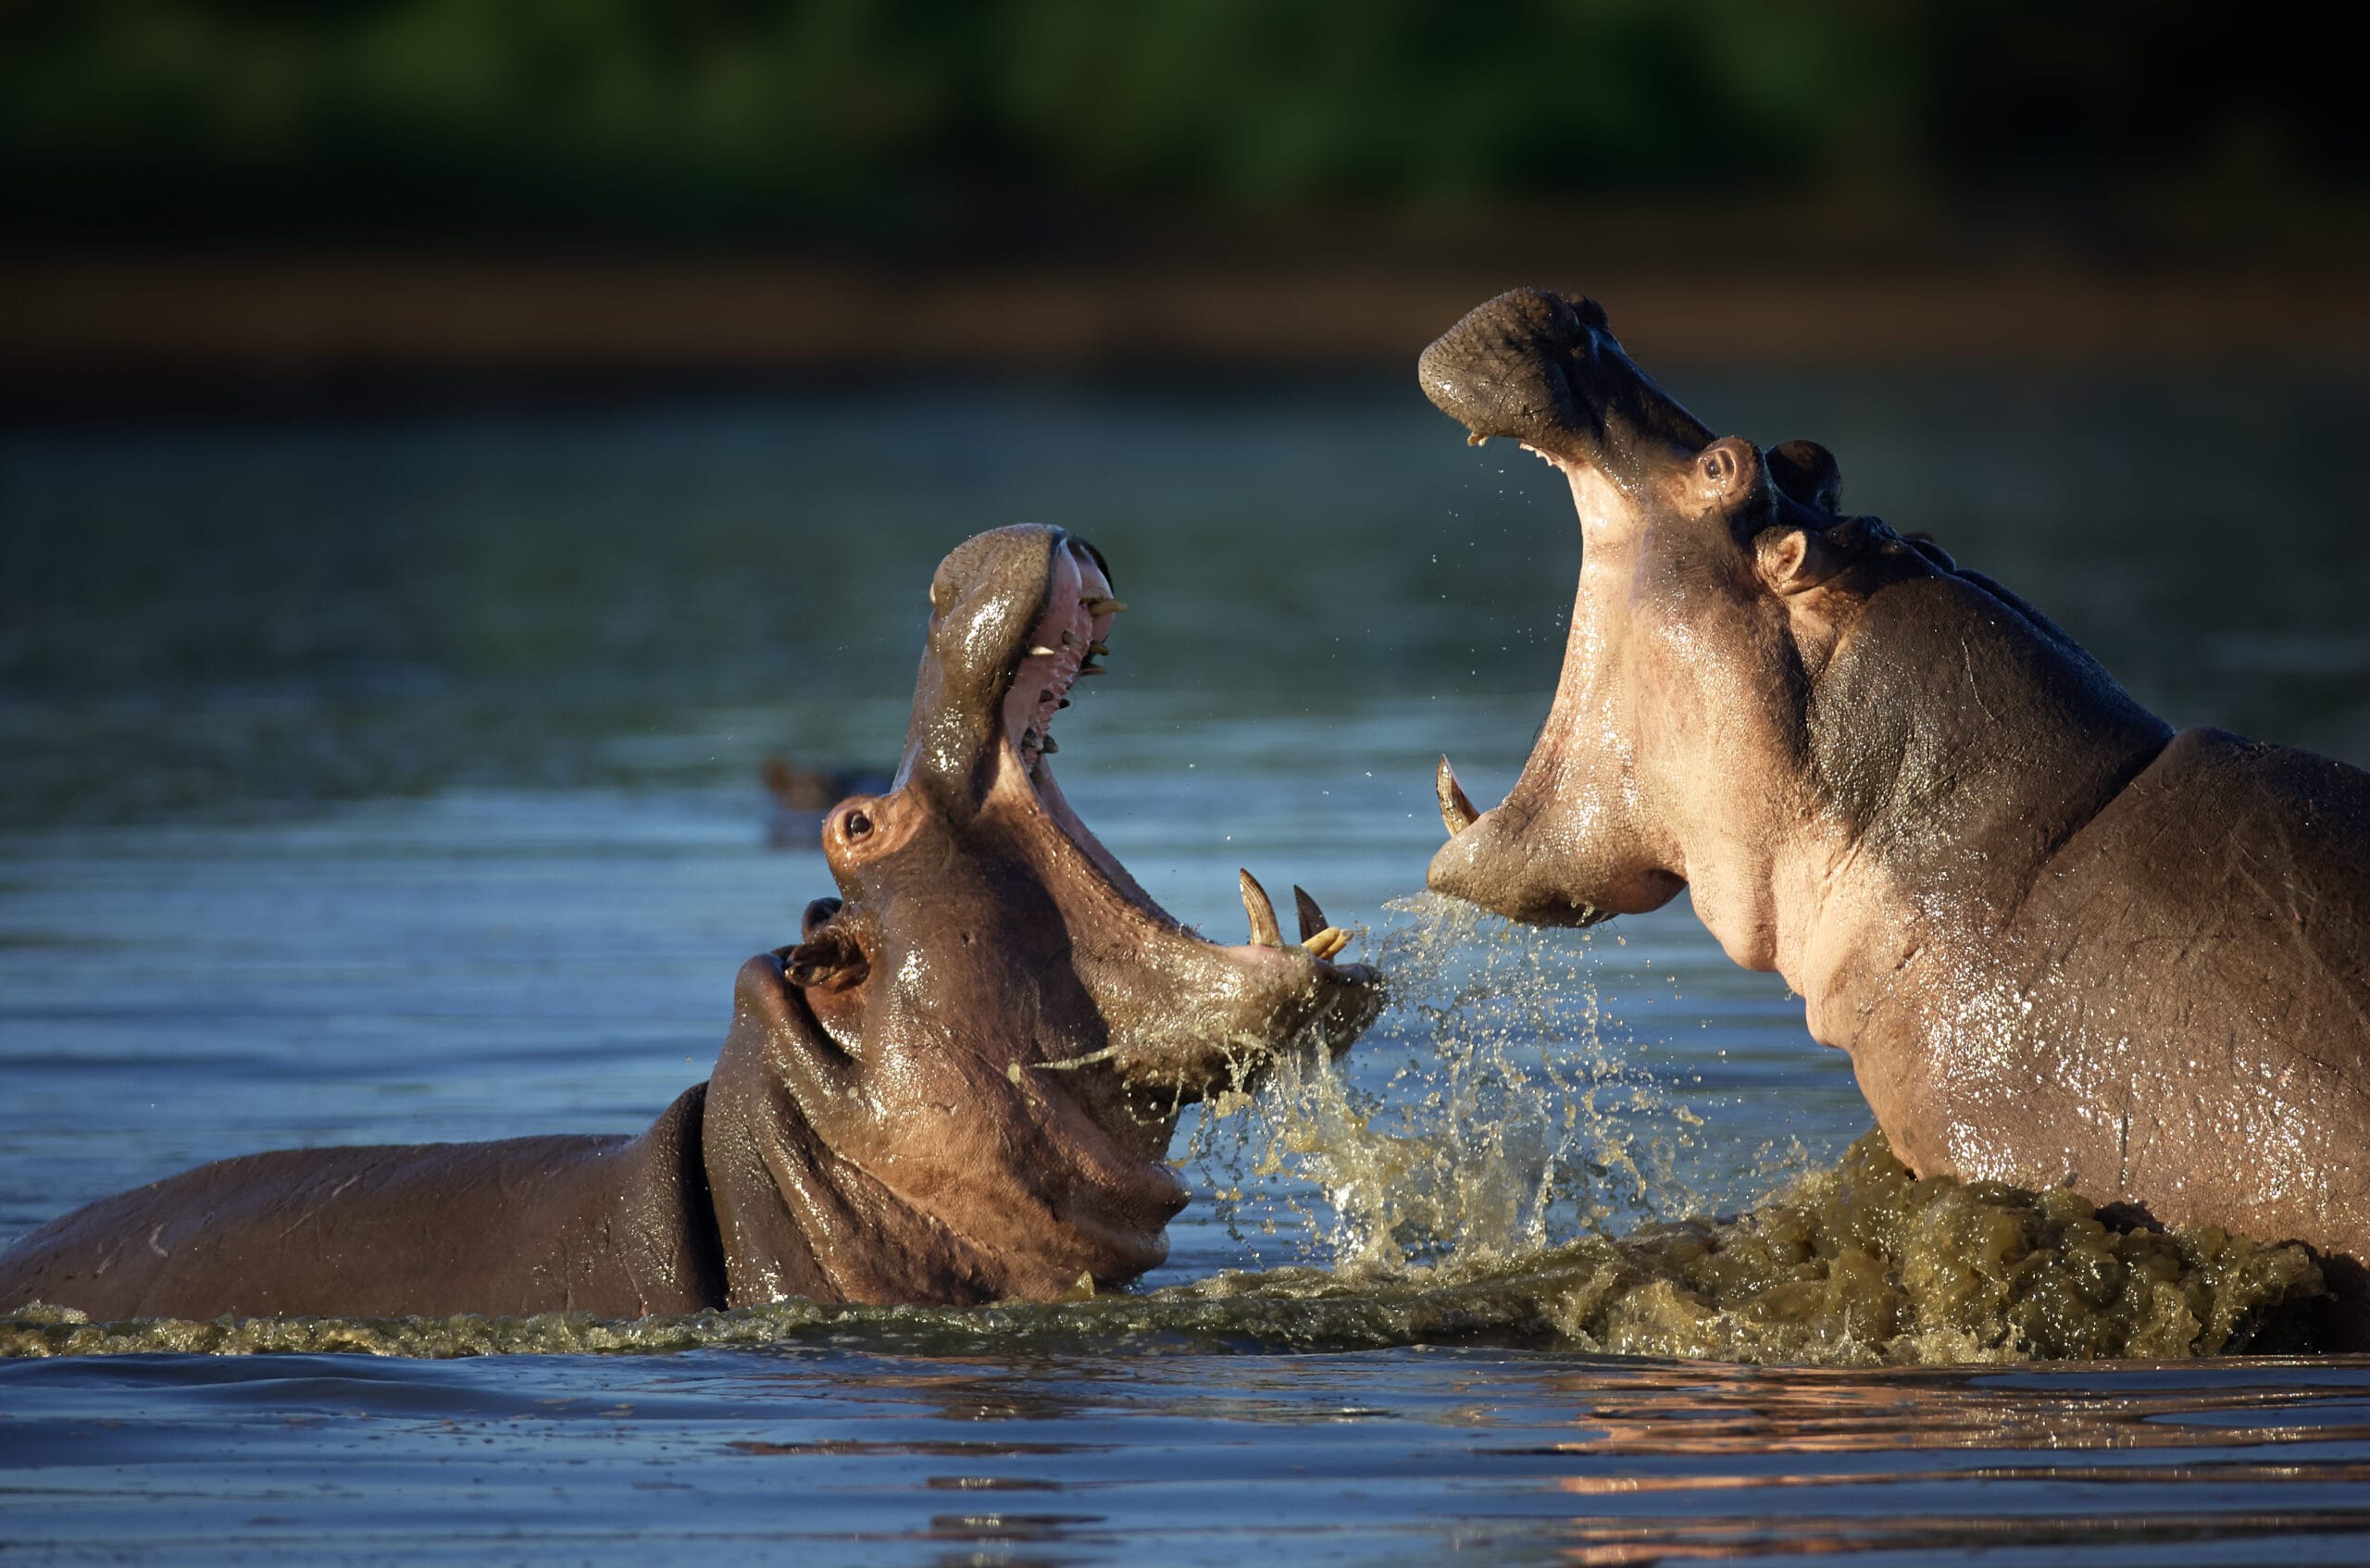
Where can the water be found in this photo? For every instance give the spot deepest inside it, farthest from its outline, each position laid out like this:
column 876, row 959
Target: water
column 395, row 784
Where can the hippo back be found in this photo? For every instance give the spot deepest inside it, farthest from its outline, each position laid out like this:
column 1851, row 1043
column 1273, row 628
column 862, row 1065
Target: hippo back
column 2188, row 985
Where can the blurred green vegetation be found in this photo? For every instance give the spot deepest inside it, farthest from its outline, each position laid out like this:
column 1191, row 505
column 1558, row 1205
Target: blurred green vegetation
column 888, row 122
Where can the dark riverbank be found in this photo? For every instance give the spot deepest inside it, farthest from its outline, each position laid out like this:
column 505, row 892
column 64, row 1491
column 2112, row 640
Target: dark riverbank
column 100, row 338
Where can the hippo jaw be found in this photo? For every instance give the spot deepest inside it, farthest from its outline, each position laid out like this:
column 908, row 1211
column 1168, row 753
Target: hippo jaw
column 1548, row 372
column 1583, row 835
column 987, row 1039
column 1763, row 700
column 1691, row 655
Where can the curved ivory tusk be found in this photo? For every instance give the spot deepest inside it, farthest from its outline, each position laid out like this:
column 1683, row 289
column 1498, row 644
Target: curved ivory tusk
column 1264, row 931
column 1456, row 809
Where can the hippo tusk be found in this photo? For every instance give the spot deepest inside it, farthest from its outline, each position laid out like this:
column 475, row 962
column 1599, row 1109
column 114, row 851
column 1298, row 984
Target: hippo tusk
column 1102, row 606
column 1095, row 649
column 1474, row 438
column 1455, row 809
column 1328, row 942
column 1312, row 919
column 1264, row 931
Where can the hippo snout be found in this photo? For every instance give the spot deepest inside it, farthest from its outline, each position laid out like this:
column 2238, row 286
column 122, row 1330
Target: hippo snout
column 1500, row 370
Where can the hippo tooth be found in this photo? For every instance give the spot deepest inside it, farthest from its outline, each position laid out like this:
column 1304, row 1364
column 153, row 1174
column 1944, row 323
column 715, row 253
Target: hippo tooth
column 1456, row 809
column 1095, row 648
column 1102, row 605
column 1312, row 919
column 1046, row 694
column 1264, row 931
column 1328, row 942
column 1049, row 748
column 1041, row 652
column 1062, row 702
column 1474, row 438
column 1091, row 667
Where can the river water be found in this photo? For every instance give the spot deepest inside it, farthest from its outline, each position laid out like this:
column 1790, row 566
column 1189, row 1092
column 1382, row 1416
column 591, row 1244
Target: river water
column 398, row 783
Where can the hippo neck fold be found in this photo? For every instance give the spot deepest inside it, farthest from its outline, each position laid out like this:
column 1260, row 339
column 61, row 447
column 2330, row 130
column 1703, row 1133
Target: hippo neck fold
column 1955, row 750
column 871, row 1176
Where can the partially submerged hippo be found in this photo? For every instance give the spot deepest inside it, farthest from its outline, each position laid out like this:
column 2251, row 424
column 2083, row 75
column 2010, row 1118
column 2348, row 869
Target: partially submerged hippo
column 2062, row 943
column 959, row 1086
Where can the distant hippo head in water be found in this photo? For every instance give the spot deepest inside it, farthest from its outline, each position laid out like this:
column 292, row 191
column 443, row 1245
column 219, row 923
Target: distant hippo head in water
column 984, row 1041
column 958, row 1086
column 2062, row 943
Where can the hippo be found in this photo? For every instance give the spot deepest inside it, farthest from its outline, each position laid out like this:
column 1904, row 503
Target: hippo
column 958, row 1086
column 2060, row 943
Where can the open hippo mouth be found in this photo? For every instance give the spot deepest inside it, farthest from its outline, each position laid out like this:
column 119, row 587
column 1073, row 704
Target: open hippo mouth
column 987, row 1037
column 1679, row 657
column 1022, row 616
column 982, row 1045
column 1064, row 646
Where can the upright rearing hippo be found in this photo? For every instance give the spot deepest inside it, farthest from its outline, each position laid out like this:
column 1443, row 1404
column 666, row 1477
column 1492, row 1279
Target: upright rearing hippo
column 959, row 1086
column 2062, row 943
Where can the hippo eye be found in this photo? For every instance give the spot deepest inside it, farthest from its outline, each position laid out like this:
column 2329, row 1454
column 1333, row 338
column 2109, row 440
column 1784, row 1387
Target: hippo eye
column 855, row 824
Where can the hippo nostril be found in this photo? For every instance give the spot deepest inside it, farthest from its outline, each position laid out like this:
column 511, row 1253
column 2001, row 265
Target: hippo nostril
column 855, row 825
column 819, row 915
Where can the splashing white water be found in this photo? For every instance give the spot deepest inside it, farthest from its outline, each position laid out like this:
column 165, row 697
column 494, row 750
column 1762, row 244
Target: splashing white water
column 1516, row 1119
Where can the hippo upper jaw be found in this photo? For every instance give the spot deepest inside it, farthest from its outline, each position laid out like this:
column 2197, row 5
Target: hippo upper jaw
column 1591, row 830
column 1547, row 371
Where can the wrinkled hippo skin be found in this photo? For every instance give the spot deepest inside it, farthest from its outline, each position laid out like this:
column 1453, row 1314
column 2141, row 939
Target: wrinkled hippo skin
column 2062, row 943
column 958, row 1086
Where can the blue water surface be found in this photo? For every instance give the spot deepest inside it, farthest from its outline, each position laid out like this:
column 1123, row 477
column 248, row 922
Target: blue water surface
column 397, row 782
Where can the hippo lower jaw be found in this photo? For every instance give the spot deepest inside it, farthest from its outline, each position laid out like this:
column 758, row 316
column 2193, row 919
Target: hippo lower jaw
column 1342, row 998
column 1511, row 864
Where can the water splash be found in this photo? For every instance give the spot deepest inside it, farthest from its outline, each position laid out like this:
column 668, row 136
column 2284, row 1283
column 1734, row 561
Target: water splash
column 1517, row 1181
column 1857, row 1266
column 1517, row 1119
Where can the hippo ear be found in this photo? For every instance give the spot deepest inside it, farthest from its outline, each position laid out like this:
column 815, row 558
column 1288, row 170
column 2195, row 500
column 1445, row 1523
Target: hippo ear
column 1795, row 560
column 1807, row 473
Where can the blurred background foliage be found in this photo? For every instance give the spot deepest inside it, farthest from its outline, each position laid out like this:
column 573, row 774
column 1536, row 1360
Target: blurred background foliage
column 1030, row 123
